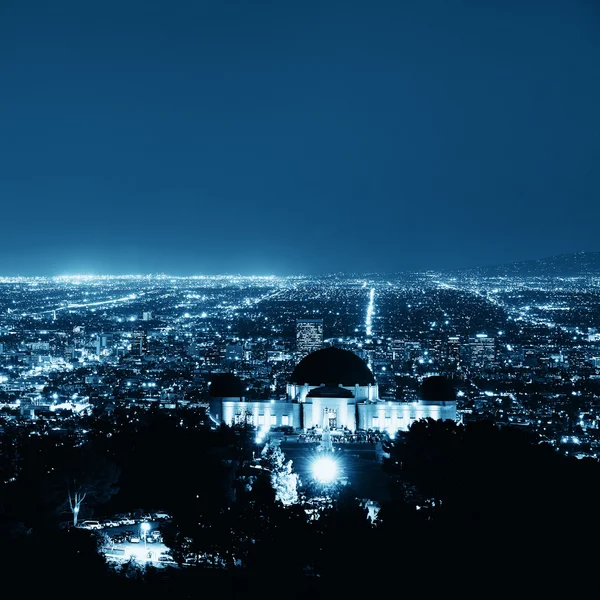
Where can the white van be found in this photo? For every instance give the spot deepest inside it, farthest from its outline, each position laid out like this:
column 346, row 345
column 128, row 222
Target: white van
column 90, row 525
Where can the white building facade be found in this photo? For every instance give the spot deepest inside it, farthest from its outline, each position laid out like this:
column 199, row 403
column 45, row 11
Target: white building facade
column 326, row 398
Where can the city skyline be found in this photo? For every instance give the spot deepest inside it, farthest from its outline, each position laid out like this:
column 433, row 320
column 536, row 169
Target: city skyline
column 296, row 138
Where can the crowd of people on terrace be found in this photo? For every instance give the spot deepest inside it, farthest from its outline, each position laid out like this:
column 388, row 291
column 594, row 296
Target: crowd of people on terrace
column 341, row 436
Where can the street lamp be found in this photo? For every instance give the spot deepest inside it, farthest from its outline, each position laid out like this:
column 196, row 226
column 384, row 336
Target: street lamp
column 145, row 527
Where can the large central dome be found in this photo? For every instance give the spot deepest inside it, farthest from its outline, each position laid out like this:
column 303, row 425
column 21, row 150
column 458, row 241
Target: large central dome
column 332, row 366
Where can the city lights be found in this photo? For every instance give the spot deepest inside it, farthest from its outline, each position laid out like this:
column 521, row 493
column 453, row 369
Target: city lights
column 493, row 336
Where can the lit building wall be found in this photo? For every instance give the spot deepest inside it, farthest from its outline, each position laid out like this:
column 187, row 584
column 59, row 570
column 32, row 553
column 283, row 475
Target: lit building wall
column 259, row 413
column 394, row 416
column 318, row 411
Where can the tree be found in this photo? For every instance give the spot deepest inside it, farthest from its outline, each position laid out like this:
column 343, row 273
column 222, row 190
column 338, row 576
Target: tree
column 425, row 455
column 89, row 478
column 75, row 496
column 283, row 480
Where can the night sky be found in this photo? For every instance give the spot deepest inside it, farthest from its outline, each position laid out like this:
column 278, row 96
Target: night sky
column 293, row 137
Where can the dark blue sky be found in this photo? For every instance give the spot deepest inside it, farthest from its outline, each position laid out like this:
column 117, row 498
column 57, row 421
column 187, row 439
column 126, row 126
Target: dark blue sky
column 296, row 137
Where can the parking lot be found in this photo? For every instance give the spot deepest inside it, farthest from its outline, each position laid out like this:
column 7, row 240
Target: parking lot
column 129, row 538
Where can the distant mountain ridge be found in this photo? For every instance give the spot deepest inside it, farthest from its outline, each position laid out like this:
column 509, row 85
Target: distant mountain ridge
column 575, row 264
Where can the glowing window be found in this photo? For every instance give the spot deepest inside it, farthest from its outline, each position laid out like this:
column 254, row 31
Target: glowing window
column 285, row 420
column 273, row 419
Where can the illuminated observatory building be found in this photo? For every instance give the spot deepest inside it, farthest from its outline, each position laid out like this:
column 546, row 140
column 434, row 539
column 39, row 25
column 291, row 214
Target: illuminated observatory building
column 331, row 388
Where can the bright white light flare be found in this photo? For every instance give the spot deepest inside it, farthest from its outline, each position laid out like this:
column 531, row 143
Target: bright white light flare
column 325, row 469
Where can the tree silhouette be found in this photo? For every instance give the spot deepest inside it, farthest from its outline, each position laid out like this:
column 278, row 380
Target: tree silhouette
column 54, row 477
column 501, row 490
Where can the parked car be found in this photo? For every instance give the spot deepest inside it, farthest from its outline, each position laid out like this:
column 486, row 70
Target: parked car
column 109, row 523
column 161, row 515
column 126, row 521
column 165, row 558
column 90, row 525
column 134, row 539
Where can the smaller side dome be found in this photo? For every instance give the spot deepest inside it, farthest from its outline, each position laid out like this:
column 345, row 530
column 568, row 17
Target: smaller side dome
column 226, row 385
column 437, row 388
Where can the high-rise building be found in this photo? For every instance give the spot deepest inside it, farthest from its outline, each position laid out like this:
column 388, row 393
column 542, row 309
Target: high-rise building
column 147, row 315
column 482, row 350
column 69, row 352
column 139, row 343
column 309, row 336
column 453, row 348
column 103, row 342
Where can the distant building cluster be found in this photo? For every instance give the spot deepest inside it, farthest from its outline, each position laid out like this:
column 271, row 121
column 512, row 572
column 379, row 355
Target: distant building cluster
column 309, row 336
column 309, row 353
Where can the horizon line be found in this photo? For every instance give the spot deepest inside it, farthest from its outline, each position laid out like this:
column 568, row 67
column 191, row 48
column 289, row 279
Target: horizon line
column 162, row 275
